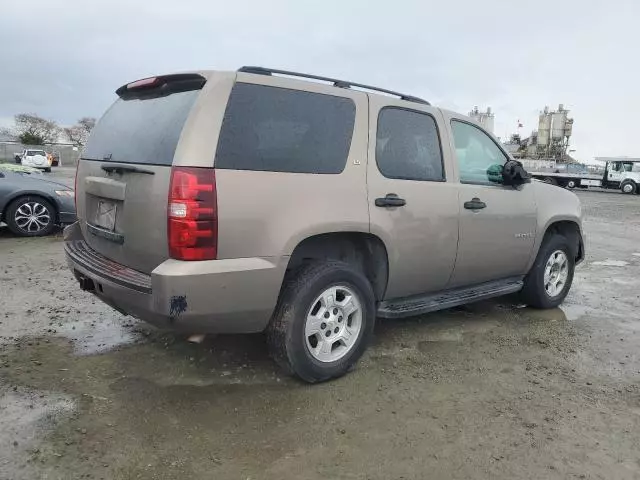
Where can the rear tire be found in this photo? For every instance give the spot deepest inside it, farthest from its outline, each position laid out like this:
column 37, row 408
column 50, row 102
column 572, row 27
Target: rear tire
column 30, row 216
column 628, row 187
column 47, row 170
column 547, row 272
column 571, row 184
column 307, row 319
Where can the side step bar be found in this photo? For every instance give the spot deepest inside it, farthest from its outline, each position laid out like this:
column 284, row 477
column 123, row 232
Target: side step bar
column 417, row 305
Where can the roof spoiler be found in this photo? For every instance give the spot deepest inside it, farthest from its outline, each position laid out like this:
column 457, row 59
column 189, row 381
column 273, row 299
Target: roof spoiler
column 161, row 86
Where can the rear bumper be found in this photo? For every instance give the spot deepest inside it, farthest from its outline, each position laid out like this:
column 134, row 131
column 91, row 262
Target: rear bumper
column 217, row 296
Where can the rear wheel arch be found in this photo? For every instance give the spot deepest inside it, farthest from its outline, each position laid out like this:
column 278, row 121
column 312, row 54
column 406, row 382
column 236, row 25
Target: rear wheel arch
column 364, row 250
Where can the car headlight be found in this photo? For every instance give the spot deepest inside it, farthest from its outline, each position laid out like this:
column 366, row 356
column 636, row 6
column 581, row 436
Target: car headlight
column 65, row 193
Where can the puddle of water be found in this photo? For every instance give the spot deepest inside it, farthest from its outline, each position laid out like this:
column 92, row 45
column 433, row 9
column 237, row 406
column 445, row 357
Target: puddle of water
column 611, row 263
column 24, row 417
column 574, row 312
column 99, row 336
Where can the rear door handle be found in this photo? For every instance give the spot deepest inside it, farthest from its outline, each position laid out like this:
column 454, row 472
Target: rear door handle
column 475, row 204
column 390, row 200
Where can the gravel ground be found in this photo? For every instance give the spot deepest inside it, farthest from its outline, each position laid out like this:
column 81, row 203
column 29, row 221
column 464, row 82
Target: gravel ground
column 492, row 390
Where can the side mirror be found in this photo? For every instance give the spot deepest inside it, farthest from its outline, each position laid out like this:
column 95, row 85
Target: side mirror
column 514, row 174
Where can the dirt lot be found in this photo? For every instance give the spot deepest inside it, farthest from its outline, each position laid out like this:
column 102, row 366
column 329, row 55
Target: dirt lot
column 493, row 390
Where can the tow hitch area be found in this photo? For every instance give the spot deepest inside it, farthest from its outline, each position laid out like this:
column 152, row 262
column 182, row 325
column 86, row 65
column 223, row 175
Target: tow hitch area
column 86, row 284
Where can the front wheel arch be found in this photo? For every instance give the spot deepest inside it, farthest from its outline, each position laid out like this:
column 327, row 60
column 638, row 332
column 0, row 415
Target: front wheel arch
column 568, row 228
column 535, row 291
column 17, row 195
column 36, row 196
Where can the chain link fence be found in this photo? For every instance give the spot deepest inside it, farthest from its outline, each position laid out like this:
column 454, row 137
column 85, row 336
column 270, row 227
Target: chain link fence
column 67, row 154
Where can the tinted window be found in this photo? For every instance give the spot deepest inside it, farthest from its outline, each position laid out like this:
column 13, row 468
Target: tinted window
column 479, row 158
column 31, row 153
column 281, row 130
column 408, row 146
column 141, row 130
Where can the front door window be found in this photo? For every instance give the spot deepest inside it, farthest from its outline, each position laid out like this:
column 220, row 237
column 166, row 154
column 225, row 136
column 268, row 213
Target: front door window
column 480, row 161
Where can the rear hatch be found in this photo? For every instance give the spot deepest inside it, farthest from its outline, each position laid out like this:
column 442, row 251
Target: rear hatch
column 124, row 172
column 37, row 157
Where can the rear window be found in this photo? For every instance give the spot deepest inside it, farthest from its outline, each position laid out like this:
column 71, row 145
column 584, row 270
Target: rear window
column 31, row 153
column 281, row 130
column 141, row 130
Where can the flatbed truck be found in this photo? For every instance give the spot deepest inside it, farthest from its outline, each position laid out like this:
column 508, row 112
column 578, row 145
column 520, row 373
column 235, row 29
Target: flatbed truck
column 620, row 173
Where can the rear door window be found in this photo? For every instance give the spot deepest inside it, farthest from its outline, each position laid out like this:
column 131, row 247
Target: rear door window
column 282, row 130
column 143, row 130
column 408, row 145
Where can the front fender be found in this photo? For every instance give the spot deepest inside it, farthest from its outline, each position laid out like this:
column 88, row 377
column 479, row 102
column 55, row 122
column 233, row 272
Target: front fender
column 555, row 206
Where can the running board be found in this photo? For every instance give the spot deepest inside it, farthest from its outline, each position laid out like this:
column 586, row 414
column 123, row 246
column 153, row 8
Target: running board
column 417, row 305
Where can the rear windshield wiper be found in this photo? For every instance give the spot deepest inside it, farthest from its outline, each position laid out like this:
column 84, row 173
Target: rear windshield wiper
column 110, row 168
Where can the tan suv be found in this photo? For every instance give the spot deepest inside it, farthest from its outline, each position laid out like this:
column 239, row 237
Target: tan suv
column 306, row 206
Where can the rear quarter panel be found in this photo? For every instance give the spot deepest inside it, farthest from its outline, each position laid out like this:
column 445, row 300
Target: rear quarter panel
column 266, row 214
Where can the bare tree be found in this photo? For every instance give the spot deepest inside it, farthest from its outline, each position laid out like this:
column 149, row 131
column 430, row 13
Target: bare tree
column 75, row 135
column 34, row 130
column 79, row 133
column 87, row 123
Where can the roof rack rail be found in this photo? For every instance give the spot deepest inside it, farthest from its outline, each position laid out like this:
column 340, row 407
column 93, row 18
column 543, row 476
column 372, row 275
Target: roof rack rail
column 336, row 82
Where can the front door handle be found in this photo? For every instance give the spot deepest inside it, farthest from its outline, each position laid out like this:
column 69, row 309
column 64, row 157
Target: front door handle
column 475, row 204
column 390, row 200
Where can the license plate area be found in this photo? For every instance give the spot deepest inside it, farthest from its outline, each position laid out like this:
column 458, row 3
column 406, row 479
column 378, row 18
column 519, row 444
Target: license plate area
column 105, row 216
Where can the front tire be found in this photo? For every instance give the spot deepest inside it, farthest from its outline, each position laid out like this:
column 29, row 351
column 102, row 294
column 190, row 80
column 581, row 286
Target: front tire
column 323, row 321
column 30, row 216
column 628, row 187
column 549, row 280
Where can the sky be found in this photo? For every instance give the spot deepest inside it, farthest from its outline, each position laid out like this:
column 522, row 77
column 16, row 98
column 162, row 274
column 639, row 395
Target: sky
column 515, row 56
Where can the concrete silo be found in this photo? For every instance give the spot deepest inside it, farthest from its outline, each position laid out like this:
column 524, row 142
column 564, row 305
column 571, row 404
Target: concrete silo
column 486, row 119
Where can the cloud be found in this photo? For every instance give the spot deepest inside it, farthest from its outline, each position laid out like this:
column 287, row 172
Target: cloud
column 458, row 54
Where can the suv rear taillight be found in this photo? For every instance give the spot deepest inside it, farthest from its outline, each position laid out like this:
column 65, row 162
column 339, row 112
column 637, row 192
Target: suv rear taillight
column 75, row 188
column 192, row 214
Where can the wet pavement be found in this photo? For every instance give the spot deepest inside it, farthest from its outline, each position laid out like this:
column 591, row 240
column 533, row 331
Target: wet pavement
column 491, row 390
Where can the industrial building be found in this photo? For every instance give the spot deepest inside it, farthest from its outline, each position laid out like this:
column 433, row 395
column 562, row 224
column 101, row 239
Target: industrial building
column 550, row 142
column 486, row 119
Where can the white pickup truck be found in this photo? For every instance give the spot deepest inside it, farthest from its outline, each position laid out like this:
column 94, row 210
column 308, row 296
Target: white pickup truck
column 619, row 173
column 35, row 159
